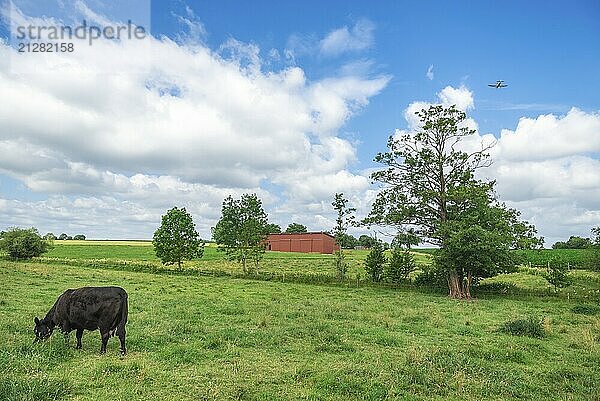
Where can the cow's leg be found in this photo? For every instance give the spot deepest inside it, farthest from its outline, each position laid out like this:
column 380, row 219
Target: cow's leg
column 79, row 334
column 105, row 337
column 121, row 334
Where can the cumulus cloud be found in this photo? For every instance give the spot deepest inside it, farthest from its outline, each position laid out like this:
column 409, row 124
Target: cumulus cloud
column 549, row 168
column 348, row 39
column 176, row 122
column 550, row 136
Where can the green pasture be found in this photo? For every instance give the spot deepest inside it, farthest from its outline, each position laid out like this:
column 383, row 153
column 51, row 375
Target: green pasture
column 201, row 336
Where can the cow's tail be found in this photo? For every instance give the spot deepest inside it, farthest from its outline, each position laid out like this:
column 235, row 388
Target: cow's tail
column 124, row 312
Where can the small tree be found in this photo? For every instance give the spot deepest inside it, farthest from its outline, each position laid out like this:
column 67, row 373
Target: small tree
column 348, row 241
column 50, row 237
column 21, row 243
column 345, row 217
column 375, row 262
column 401, row 264
column 367, row 241
column 296, row 228
column 557, row 274
column 79, row 237
column 177, row 239
column 574, row 242
column 273, row 228
column 242, row 230
column 63, row 237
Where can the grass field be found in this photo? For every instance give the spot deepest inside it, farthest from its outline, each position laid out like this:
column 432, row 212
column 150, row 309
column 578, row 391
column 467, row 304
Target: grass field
column 575, row 257
column 203, row 337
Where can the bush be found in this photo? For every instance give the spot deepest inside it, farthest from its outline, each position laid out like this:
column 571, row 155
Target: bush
column 375, row 261
column 21, row 243
column 588, row 310
column 593, row 261
column 431, row 276
column 529, row 327
column 557, row 274
column 402, row 263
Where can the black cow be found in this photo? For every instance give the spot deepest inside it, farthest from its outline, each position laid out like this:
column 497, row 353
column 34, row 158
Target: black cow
column 88, row 308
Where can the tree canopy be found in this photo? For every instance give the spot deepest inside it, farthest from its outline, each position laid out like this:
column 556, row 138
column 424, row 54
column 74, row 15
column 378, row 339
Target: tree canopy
column 273, row 228
column 367, row 241
column 21, row 243
column 242, row 230
column 296, row 228
column 574, row 242
column 177, row 239
column 429, row 189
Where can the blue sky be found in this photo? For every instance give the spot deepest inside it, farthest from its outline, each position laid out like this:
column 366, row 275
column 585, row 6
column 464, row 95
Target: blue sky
column 359, row 66
column 547, row 51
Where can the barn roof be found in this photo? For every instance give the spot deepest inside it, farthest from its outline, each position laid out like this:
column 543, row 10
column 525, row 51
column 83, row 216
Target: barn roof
column 307, row 233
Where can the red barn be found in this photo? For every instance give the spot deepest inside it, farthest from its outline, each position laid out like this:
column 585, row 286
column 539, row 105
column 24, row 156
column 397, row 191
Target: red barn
column 302, row 242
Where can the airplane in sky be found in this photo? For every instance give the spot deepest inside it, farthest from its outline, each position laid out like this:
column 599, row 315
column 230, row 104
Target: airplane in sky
column 499, row 84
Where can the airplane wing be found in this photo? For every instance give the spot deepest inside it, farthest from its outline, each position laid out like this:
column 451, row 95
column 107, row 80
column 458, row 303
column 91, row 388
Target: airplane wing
column 502, row 86
column 492, row 85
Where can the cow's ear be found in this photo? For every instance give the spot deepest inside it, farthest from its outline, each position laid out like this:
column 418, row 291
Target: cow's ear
column 36, row 320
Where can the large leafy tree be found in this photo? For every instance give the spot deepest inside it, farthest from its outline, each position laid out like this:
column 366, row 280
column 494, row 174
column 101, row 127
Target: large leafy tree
column 242, row 230
column 177, row 239
column 430, row 189
column 296, row 228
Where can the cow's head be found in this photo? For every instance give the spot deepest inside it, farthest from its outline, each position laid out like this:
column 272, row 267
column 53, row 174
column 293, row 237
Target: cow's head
column 42, row 330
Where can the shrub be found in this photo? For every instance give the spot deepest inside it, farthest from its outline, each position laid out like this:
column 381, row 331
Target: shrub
column 431, row 277
column 529, row 327
column 593, row 260
column 589, row 310
column 401, row 264
column 374, row 262
column 557, row 274
column 21, row 243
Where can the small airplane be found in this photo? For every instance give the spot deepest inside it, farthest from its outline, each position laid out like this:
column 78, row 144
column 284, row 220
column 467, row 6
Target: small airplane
column 499, row 84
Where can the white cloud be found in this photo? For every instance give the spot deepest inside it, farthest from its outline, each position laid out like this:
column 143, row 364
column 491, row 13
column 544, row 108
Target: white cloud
column 549, row 136
column 461, row 97
column 348, row 39
column 429, row 73
column 176, row 122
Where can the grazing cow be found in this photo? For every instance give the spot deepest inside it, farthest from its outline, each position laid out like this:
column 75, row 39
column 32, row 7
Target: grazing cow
column 88, row 308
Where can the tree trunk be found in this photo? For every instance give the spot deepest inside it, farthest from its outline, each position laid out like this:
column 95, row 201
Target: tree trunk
column 179, row 264
column 458, row 287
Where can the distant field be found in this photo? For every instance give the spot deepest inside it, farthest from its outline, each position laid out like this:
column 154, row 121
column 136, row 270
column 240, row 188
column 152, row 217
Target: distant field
column 97, row 252
column 218, row 338
column 578, row 258
column 575, row 257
